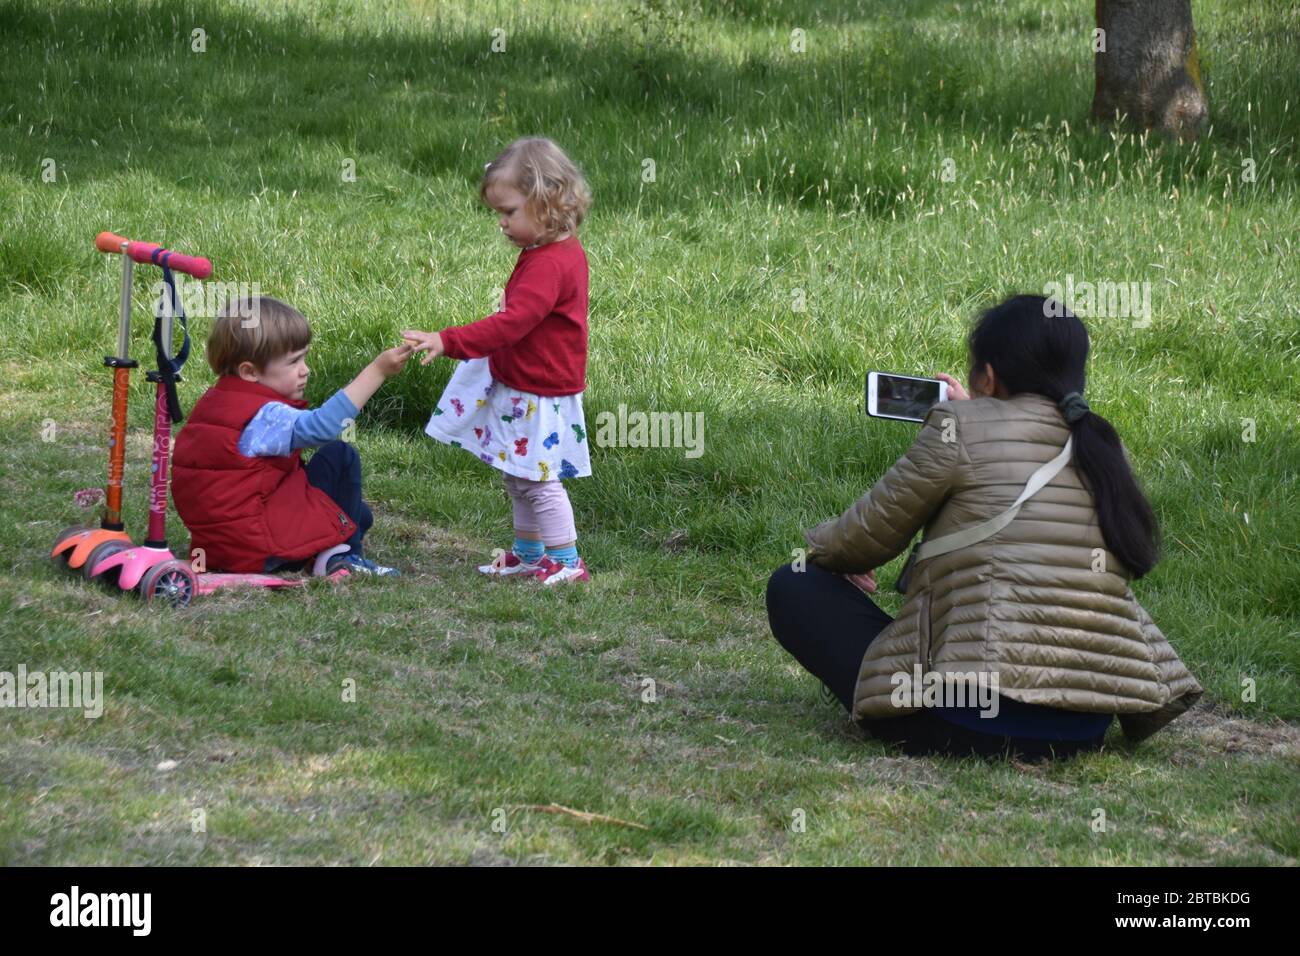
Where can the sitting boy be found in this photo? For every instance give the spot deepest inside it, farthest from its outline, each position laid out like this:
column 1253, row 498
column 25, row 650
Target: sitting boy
column 237, row 476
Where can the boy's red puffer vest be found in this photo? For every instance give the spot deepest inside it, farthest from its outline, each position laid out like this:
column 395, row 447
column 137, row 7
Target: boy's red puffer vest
column 242, row 510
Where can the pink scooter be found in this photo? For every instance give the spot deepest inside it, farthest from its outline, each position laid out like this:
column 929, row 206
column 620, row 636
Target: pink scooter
column 152, row 567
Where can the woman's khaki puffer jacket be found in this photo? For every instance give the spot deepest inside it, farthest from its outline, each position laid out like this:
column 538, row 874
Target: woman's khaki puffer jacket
column 1042, row 603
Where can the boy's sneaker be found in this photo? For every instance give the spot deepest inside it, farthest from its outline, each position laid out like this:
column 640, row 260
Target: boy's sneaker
column 508, row 564
column 359, row 565
column 557, row 572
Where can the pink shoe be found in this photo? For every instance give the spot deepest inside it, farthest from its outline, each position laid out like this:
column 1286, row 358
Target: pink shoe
column 557, row 572
column 508, row 564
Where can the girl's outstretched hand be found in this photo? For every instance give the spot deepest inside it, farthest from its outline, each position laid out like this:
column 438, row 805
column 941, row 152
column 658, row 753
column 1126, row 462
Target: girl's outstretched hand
column 430, row 342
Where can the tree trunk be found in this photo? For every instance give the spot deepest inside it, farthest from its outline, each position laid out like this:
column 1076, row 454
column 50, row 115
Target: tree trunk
column 1146, row 66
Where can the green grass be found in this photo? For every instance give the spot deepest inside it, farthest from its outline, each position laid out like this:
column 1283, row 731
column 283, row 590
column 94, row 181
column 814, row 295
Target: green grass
column 774, row 171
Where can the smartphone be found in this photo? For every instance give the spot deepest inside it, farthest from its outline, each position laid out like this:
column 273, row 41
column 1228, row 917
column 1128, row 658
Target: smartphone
column 903, row 397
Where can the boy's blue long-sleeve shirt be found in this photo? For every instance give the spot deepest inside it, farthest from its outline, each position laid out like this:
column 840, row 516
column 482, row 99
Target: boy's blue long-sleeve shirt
column 280, row 429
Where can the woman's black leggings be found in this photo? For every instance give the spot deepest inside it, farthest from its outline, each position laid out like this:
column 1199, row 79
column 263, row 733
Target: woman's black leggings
column 827, row 623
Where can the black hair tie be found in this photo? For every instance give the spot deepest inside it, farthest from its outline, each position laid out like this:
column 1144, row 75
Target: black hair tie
column 1074, row 406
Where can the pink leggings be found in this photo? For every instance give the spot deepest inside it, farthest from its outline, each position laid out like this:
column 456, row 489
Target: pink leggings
column 542, row 507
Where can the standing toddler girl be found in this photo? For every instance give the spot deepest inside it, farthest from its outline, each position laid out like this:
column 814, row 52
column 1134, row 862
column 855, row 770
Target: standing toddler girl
column 516, row 399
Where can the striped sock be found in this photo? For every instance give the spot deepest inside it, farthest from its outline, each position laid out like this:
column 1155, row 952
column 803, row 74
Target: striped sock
column 528, row 551
column 568, row 556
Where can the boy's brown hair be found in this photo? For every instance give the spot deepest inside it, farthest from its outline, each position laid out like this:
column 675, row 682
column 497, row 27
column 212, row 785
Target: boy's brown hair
column 257, row 329
column 555, row 191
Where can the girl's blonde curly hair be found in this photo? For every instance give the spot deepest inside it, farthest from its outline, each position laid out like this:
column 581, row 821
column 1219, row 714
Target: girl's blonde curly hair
column 556, row 194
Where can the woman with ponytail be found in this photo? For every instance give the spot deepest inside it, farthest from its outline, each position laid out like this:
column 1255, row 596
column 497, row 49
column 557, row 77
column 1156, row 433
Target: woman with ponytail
column 1032, row 344
column 1019, row 624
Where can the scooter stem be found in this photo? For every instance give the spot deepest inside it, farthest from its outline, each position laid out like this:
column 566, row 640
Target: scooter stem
column 162, row 426
column 121, row 365
column 124, row 322
column 162, row 440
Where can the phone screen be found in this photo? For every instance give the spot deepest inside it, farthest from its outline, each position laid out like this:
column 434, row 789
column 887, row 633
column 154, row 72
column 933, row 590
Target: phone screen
column 899, row 396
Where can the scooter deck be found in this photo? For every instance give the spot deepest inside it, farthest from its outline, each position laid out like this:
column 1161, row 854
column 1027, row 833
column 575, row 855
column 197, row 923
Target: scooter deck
column 211, row 581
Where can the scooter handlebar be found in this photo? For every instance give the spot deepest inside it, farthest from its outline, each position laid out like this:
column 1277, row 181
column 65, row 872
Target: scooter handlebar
column 151, row 253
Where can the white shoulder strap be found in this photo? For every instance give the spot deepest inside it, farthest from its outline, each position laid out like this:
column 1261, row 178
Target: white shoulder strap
column 986, row 529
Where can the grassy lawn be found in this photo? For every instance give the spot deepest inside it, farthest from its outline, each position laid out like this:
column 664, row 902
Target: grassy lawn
column 780, row 179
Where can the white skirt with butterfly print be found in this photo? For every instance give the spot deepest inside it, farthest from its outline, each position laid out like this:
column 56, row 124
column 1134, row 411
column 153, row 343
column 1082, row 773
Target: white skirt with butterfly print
column 538, row 437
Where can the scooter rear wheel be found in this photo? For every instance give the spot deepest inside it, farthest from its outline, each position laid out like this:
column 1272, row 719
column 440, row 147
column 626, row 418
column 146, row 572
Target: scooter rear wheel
column 172, row 583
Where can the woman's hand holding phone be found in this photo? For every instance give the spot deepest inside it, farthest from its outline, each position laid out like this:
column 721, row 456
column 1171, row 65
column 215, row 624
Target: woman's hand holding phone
column 955, row 391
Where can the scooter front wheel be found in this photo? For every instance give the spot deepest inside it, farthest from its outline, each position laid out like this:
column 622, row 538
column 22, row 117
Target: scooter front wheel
column 172, row 583
column 100, row 552
column 61, row 557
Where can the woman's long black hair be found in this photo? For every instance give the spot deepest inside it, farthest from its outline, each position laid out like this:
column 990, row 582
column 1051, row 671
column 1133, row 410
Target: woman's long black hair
column 1037, row 345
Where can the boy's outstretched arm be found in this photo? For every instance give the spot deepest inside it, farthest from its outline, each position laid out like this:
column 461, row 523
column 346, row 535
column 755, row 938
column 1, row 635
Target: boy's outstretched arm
column 385, row 364
column 278, row 429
